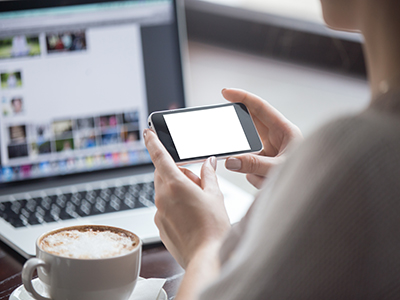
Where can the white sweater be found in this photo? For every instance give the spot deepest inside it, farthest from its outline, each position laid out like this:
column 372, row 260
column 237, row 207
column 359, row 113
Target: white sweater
column 327, row 223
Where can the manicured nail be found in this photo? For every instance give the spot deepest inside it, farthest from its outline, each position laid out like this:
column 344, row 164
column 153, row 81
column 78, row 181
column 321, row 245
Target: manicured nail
column 145, row 132
column 233, row 164
column 213, row 162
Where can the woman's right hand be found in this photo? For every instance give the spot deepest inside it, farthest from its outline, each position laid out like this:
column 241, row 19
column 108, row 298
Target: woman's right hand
column 276, row 132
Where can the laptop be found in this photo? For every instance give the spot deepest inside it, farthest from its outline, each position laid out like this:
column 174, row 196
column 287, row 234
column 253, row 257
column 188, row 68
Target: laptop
column 78, row 80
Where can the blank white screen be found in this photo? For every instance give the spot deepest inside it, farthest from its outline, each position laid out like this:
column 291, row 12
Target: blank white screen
column 206, row 132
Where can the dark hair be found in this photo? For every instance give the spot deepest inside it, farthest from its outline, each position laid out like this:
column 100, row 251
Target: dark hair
column 16, row 99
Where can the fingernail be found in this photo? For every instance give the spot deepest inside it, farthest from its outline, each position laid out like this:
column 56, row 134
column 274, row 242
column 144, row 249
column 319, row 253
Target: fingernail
column 145, row 132
column 233, row 164
column 213, row 162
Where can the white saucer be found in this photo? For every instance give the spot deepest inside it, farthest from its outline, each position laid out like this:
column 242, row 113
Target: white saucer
column 21, row 294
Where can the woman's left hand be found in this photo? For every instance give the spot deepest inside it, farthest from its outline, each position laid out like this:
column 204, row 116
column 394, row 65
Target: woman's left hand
column 190, row 210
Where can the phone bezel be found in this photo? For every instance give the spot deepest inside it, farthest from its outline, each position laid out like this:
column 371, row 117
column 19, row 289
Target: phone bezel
column 157, row 123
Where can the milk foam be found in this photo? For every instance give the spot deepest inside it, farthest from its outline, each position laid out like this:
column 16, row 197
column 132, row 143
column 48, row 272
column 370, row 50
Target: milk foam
column 88, row 244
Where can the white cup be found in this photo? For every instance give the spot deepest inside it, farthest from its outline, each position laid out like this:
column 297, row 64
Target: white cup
column 65, row 278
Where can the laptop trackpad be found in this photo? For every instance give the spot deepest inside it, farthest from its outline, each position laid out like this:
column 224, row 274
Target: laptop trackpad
column 140, row 224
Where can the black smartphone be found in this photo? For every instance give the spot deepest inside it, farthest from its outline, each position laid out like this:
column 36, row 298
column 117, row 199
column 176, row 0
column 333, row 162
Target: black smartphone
column 194, row 134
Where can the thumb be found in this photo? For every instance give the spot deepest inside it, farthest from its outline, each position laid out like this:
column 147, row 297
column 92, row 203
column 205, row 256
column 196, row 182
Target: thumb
column 251, row 164
column 209, row 181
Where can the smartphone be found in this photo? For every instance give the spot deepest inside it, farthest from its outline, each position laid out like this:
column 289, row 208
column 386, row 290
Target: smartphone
column 194, row 134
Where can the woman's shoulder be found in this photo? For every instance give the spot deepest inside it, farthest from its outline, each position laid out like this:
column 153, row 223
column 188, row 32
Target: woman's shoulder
column 348, row 148
column 379, row 121
column 370, row 130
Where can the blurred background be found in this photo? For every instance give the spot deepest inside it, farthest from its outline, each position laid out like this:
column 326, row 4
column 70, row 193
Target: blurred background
column 280, row 50
column 305, row 9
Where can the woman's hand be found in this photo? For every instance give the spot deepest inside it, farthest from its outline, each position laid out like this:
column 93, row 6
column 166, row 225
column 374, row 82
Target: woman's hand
column 191, row 214
column 276, row 132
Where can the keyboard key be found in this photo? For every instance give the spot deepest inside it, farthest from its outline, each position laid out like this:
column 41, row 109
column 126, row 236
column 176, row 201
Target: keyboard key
column 24, row 220
column 40, row 217
column 46, row 203
column 16, row 207
column 121, row 190
column 69, row 212
column 100, row 206
column 61, row 201
column 114, row 204
column 48, row 217
column 105, row 193
column 76, row 199
column 55, row 212
column 16, row 222
column 31, row 205
column 5, row 209
column 2, row 206
column 25, row 213
column 84, row 209
column 91, row 194
column 82, row 195
column 33, row 220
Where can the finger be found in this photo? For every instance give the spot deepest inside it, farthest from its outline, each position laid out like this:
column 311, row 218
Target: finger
column 193, row 177
column 209, row 181
column 255, row 180
column 157, row 178
column 158, row 189
column 159, row 155
column 257, row 106
column 251, row 164
column 158, row 221
column 266, row 118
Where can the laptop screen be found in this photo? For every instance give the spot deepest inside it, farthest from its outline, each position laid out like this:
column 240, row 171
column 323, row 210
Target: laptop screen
column 78, row 82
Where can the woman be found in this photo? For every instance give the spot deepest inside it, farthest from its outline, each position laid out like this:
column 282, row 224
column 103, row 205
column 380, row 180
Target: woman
column 326, row 224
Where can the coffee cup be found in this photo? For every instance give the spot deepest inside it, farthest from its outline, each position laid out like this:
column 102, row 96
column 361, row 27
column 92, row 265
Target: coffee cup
column 87, row 262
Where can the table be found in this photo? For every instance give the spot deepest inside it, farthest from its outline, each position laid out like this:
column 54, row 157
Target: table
column 156, row 262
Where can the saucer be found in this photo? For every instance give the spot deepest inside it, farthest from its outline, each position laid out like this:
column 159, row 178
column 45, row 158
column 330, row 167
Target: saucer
column 21, row 294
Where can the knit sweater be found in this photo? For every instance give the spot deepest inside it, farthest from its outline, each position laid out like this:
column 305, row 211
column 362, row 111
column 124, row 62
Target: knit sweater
column 327, row 223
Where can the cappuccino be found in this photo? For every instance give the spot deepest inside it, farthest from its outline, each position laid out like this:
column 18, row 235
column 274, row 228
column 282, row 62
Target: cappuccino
column 89, row 242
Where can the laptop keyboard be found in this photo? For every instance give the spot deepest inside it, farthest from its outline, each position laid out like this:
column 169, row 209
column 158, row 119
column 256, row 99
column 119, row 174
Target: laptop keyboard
column 72, row 205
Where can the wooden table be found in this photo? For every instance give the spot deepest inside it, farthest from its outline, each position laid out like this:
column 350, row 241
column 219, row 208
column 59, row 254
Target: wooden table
column 156, row 262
